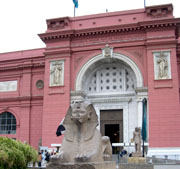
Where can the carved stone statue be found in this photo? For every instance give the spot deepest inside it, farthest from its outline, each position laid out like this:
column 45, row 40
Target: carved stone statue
column 162, row 66
column 82, row 141
column 56, row 73
column 137, row 141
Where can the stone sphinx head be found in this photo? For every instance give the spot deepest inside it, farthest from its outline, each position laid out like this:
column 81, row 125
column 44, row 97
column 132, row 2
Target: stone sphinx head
column 80, row 114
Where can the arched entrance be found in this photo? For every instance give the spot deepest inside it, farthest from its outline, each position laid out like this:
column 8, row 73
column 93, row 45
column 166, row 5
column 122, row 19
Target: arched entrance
column 111, row 85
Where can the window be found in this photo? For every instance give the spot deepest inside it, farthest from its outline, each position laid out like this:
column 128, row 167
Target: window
column 7, row 123
column 111, row 78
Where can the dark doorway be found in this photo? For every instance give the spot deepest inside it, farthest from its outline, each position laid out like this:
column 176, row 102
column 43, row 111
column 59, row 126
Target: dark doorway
column 112, row 130
column 111, row 124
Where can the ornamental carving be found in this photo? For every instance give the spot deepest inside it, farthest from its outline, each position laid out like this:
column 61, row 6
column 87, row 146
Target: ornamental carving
column 8, row 86
column 106, row 40
column 56, row 73
column 162, row 65
column 107, row 52
column 40, row 84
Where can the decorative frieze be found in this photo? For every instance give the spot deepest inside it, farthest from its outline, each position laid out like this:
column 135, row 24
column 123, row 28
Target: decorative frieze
column 56, row 73
column 105, row 40
column 162, row 67
column 8, row 86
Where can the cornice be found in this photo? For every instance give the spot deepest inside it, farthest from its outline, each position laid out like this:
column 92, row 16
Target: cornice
column 139, row 26
column 22, row 66
column 56, row 35
column 161, row 23
column 63, row 51
column 161, row 42
column 21, row 98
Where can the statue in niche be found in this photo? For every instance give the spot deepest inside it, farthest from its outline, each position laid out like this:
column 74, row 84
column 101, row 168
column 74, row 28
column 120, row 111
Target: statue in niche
column 82, row 141
column 56, row 74
column 162, row 66
column 137, row 141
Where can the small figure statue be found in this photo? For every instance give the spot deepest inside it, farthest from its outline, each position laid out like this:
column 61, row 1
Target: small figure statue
column 137, row 141
column 162, row 66
column 56, row 72
column 82, row 141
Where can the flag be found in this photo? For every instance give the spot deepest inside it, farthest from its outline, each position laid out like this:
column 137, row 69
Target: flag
column 60, row 129
column 144, row 121
column 75, row 3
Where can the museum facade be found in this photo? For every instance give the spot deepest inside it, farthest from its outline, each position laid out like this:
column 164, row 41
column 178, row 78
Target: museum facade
column 112, row 60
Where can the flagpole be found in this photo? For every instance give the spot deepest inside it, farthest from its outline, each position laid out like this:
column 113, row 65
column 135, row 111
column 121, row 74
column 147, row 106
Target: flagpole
column 74, row 11
column 144, row 3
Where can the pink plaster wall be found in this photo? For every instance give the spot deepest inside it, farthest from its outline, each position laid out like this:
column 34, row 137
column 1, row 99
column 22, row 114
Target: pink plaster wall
column 164, row 112
column 27, row 102
column 55, row 104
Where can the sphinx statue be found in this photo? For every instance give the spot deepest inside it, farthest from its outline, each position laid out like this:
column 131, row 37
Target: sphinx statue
column 82, row 141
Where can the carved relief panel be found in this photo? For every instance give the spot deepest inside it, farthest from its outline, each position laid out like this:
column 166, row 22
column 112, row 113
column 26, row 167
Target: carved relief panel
column 56, row 73
column 162, row 66
column 8, row 86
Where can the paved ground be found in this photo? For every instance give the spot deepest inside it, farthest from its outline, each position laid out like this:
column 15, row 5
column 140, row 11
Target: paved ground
column 167, row 166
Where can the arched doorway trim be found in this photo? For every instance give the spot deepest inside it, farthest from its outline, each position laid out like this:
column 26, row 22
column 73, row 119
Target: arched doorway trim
column 127, row 60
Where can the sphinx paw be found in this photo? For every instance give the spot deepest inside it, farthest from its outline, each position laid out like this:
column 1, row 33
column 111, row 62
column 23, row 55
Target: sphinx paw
column 107, row 157
column 81, row 158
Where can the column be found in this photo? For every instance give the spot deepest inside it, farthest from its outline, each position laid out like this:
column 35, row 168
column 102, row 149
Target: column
column 140, row 112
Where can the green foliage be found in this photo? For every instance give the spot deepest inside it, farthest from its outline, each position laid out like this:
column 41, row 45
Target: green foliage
column 15, row 155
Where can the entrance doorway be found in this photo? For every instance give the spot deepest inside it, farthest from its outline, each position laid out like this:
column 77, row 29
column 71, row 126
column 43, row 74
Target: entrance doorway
column 111, row 124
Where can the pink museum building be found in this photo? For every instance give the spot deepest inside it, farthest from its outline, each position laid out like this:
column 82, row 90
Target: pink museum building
column 113, row 60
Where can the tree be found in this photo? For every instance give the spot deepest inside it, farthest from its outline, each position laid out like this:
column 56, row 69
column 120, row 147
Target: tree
column 15, row 154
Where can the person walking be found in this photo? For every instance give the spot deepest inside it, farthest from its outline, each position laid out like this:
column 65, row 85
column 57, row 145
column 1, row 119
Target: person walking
column 39, row 159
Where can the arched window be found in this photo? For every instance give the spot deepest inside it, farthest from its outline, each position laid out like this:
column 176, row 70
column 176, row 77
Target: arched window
column 7, row 123
column 111, row 78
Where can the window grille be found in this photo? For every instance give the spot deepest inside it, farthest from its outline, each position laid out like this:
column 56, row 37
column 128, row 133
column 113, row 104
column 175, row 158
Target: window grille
column 7, row 123
column 112, row 78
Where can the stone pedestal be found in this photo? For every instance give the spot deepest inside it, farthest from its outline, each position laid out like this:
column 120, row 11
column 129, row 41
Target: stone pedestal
column 92, row 165
column 136, row 160
column 137, row 154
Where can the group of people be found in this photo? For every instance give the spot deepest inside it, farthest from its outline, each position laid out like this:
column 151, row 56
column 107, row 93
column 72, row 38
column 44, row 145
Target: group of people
column 43, row 157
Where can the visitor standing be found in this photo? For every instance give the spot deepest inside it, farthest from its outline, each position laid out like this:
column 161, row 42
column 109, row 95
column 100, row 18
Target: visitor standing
column 39, row 159
column 47, row 156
